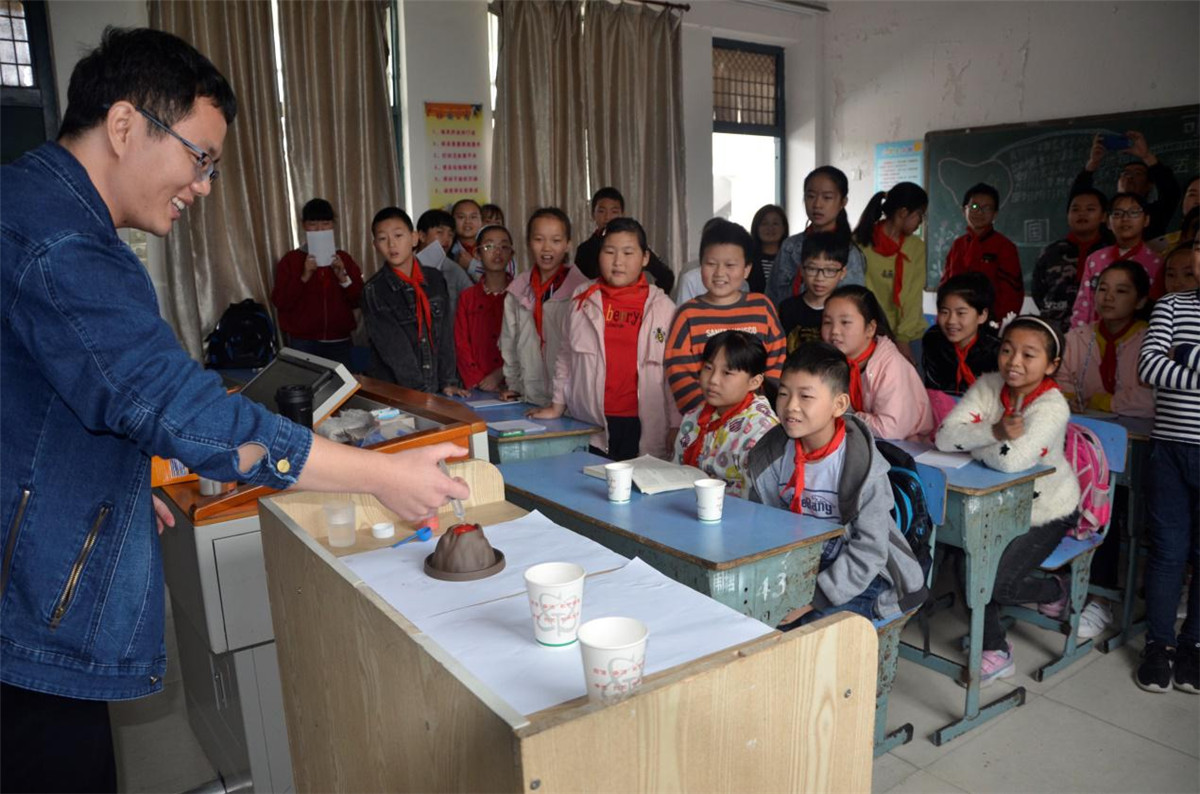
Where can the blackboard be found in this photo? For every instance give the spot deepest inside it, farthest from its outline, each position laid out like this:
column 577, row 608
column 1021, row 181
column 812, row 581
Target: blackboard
column 1033, row 166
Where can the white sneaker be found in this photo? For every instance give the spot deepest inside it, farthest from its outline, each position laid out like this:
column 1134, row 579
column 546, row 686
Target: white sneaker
column 1095, row 619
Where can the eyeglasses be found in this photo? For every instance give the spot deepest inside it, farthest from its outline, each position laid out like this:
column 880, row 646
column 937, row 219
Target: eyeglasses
column 1131, row 214
column 206, row 167
column 823, row 272
column 501, row 247
column 984, row 208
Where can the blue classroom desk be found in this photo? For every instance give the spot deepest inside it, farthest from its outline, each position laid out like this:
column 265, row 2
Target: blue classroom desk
column 758, row 560
column 561, row 436
column 985, row 510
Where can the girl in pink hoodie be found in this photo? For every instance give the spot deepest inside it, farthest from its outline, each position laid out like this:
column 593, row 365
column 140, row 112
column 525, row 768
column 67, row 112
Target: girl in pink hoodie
column 609, row 370
column 885, row 389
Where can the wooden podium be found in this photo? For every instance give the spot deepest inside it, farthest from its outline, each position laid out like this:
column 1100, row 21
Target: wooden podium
column 373, row 704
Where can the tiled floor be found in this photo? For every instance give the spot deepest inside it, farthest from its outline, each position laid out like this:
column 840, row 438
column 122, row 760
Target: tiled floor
column 1088, row 729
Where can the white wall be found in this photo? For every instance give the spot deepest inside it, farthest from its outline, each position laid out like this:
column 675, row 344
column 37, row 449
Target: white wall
column 894, row 71
column 445, row 57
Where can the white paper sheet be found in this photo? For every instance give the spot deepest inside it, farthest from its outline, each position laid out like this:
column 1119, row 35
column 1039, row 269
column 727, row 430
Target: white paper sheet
column 321, row 247
column 494, row 641
column 432, row 256
column 654, row 475
column 398, row 574
column 944, row 460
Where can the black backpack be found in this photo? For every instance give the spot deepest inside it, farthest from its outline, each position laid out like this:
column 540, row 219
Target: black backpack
column 244, row 338
column 910, row 511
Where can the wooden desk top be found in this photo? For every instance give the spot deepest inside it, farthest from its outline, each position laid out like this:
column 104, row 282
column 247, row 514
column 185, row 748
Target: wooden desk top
column 975, row 479
column 555, row 428
column 747, row 531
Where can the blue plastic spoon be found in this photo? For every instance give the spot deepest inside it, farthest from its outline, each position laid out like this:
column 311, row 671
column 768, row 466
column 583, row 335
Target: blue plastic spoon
column 422, row 534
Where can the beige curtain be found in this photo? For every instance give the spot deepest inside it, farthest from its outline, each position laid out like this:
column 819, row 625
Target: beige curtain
column 339, row 125
column 538, row 155
column 634, row 116
column 224, row 248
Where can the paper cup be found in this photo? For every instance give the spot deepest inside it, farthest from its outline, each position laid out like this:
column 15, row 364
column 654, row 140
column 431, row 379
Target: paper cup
column 620, row 481
column 710, row 499
column 339, row 521
column 614, row 657
column 555, row 601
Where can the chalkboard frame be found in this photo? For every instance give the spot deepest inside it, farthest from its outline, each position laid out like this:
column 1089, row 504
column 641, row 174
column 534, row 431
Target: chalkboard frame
column 1108, row 121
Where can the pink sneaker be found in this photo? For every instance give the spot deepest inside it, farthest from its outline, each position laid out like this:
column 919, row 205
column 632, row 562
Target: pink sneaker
column 996, row 664
column 1057, row 608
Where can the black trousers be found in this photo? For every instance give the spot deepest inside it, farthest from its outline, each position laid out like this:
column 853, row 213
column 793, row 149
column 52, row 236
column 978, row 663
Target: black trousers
column 624, row 438
column 1015, row 583
column 52, row 743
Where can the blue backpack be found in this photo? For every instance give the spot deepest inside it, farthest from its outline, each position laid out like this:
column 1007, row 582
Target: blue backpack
column 910, row 511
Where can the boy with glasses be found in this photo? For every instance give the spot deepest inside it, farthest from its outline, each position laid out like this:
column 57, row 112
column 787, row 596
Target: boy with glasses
column 1128, row 221
column 984, row 250
column 480, row 314
column 823, row 262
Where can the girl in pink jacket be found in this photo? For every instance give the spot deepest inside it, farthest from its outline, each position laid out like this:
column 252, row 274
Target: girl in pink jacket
column 1099, row 367
column 885, row 389
column 609, row 370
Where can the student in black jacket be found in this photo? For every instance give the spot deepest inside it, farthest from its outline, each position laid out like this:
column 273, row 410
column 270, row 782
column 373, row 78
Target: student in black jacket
column 607, row 204
column 961, row 346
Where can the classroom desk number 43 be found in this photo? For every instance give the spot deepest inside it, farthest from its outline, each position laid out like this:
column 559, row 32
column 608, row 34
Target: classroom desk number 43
column 780, row 585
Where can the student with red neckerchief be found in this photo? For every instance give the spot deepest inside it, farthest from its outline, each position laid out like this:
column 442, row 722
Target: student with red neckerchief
column 406, row 310
column 1011, row 420
column 610, row 368
column 821, row 461
column 1128, row 220
column 537, row 303
column 984, row 250
column 480, row 314
column 961, row 346
column 717, row 435
column 1059, row 268
column 895, row 258
column 885, row 390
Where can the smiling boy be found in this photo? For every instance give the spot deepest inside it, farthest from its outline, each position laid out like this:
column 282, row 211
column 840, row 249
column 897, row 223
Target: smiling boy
column 725, row 258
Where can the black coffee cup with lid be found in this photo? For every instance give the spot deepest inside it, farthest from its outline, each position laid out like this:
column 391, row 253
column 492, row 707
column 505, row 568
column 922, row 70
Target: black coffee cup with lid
column 296, row 403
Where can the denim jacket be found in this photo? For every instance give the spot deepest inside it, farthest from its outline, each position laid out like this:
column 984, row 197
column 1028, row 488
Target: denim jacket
column 94, row 383
column 398, row 355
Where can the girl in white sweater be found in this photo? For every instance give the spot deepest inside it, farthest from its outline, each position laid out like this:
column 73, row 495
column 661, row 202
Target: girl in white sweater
column 1012, row 420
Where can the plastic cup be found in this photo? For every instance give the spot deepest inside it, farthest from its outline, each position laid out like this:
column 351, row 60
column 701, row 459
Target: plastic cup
column 614, row 657
column 339, row 519
column 555, row 601
column 620, row 481
column 710, row 499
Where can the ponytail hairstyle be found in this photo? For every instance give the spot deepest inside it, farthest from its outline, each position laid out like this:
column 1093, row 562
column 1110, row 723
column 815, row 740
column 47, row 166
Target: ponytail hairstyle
column 867, row 305
column 841, row 226
column 902, row 196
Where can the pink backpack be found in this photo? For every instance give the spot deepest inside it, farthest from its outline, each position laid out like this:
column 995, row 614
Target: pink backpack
column 1085, row 454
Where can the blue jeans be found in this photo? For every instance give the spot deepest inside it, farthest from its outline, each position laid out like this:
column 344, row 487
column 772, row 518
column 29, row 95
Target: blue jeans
column 1172, row 502
column 862, row 604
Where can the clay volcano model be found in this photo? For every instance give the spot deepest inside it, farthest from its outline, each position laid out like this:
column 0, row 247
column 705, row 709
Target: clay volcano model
column 464, row 554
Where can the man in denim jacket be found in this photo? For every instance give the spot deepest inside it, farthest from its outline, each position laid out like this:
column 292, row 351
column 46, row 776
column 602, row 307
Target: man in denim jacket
column 94, row 383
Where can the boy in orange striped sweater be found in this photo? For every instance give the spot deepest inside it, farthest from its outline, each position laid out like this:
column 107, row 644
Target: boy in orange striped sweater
column 725, row 260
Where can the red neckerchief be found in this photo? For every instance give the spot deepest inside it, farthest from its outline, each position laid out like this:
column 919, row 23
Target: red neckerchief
column 1137, row 249
column 1082, row 248
column 469, row 247
column 1108, row 345
column 705, row 424
column 1006, row 399
column 542, row 291
column 641, row 285
column 964, row 372
column 417, row 282
column 803, row 459
column 856, row 364
column 886, row 246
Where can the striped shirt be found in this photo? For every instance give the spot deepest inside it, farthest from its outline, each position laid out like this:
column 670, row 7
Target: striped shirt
column 697, row 321
column 1175, row 376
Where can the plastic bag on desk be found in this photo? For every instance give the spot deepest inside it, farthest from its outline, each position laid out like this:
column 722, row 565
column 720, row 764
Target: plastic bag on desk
column 350, row 426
